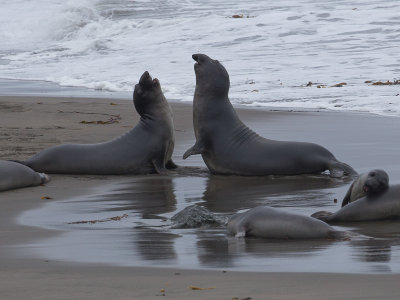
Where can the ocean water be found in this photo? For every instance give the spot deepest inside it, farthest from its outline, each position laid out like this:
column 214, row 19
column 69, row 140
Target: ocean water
column 271, row 51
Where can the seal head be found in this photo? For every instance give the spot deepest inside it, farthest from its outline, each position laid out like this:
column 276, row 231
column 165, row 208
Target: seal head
column 371, row 183
column 211, row 77
column 376, row 182
column 147, row 95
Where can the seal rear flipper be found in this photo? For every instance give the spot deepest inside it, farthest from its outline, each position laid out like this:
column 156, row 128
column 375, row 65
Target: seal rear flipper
column 338, row 169
column 198, row 148
column 322, row 215
column 170, row 165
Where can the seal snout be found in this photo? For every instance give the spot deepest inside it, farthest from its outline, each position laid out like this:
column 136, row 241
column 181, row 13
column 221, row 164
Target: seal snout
column 145, row 79
column 200, row 58
column 195, row 57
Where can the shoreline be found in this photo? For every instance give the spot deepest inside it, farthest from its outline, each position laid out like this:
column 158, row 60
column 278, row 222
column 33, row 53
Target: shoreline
column 70, row 279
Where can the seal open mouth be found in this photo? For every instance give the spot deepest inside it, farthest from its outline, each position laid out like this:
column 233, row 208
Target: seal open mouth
column 196, row 58
column 366, row 188
column 147, row 81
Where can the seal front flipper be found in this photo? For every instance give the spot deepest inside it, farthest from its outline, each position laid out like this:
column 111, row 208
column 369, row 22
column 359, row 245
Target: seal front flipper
column 198, row 148
column 170, row 165
column 159, row 167
column 347, row 197
column 322, row 215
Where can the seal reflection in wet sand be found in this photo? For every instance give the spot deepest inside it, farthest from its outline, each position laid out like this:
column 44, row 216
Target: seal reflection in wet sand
column 147, row 148
column 229, row 147
column 370, row 183
column 272, row 223
column 14, row 175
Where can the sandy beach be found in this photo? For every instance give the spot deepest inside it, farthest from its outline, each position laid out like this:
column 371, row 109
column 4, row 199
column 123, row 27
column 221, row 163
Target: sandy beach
column 30, row 124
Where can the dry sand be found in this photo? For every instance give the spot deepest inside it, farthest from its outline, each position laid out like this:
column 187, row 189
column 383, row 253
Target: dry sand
column 29, row 124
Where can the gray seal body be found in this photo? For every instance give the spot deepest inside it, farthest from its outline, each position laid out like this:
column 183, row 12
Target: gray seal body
column 147, row 148
column 382, row 206
column 272, row 223
column 229, row 147
column 14, row 175
column 369, row 183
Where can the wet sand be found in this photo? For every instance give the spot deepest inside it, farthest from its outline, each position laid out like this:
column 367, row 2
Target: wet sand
column 29, row 124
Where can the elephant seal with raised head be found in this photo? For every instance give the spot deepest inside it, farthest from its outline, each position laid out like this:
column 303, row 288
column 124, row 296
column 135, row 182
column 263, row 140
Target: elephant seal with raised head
column 14, row 175
column 147, row 148
column 229, row 147
column 272, row 223
column 370, row 183
column 375, row 207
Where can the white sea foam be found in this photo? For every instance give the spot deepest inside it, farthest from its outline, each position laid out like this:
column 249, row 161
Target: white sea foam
column 271, row 53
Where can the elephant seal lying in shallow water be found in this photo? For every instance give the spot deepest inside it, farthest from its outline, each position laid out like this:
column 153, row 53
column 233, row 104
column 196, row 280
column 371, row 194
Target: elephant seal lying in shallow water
column 382, row 206
column 229, row 147
column 272, row 223
column 147, row 148
column 14, row 175
column 370, row 183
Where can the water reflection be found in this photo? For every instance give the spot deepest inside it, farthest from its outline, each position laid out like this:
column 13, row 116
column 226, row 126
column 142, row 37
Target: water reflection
column 154, row 245
column 385, row 235
column 145, row 238
column 277, row 248
column 213, row 249
column 149, row 196
column 231, row 193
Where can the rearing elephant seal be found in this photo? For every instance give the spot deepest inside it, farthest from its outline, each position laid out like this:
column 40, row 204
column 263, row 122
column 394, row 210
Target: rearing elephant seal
column 14, row 175
column 271, row 223
column 147, row 148
column 381, row 206
column 370, row 183
column 230, row 147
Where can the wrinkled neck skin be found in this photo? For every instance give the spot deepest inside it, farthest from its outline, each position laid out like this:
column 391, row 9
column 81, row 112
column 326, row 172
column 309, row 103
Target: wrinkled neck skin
column 210, row 110
column 157, row 113
column 156, row 119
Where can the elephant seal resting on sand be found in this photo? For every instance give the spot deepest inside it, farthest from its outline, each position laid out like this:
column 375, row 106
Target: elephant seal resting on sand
column 147, row 148
column 14, row 175
column 229, row 147
column 381, row 206
column 370, row 183
column 272, row 223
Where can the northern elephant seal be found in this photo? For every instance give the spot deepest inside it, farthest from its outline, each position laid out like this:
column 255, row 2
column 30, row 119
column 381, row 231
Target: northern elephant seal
column 14, row 175
column 369, row 183
column 147, row 148
column 272, row 223
column 381, row 206
column 229, row 147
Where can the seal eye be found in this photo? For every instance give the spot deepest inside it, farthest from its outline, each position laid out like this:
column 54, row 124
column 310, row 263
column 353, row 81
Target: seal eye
column 372, row 174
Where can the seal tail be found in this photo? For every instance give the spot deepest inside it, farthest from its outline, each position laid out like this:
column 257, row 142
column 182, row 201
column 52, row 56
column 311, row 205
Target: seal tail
column 339, row 169
column 322, row 215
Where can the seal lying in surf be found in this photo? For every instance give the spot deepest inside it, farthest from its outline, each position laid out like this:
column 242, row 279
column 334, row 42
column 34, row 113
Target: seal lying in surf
column 229, row 147
column 14, row 175
column 381, row 206
column 370, row 183
column 147, row 148
column 272, row 223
